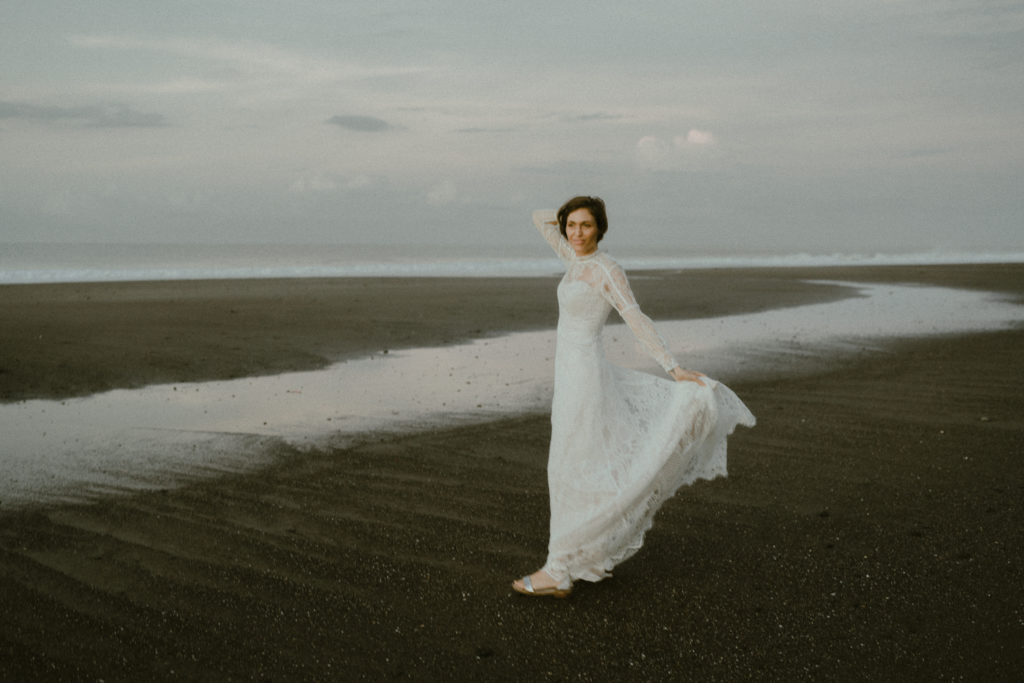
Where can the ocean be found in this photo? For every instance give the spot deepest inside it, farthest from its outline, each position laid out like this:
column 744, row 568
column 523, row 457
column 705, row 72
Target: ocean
column 25, row 263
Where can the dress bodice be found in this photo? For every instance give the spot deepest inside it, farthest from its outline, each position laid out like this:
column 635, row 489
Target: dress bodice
column 582, row 312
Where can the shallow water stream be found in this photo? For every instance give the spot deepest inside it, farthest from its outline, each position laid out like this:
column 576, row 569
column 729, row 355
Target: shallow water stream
column 158, row 435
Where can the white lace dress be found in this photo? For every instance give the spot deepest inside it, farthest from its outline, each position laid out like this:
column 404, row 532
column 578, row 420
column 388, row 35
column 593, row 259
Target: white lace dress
column 622, row 441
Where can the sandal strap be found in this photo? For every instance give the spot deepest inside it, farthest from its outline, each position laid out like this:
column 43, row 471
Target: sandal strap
column 528, row 584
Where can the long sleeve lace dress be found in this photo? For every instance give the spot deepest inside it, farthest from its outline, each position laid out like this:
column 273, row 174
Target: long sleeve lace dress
column 622, row 441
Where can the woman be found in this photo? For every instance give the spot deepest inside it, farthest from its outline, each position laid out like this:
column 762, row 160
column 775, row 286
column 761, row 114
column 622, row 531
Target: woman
column 622, row 441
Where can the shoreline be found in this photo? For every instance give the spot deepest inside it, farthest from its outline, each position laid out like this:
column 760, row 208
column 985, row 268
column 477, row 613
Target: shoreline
column 40, row 263
column 70, row 340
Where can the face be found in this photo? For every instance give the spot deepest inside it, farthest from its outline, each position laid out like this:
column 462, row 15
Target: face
column 581, row 231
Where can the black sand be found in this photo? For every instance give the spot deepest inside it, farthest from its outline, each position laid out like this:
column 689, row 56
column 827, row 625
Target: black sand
column 870, row 528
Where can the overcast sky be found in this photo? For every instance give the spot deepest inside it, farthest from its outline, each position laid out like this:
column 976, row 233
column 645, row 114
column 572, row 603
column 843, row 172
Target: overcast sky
column 789, row 126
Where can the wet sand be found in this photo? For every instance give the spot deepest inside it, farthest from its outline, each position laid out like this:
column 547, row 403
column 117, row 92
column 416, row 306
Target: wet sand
column 76, row 339
column 870, row 528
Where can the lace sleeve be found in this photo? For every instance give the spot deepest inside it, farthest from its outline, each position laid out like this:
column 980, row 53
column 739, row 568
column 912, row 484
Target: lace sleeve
column 546, row 222
column 615, row 289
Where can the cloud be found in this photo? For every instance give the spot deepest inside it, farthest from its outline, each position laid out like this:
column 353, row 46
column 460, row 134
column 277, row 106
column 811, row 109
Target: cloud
column 480, row 129
column 600, row 116
column 314, row 184
column 957, row 18
column 99, row 116
column 363, row 124
column 246, row 57
column 651, row 152
column 327, row 183
column 696, row 137
column 655, row 154
column 359, row 182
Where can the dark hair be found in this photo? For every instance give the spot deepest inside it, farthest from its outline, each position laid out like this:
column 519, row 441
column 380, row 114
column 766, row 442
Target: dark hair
column 595, row 205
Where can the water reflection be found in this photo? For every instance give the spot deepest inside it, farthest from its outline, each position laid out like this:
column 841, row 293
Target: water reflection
column 157, row 435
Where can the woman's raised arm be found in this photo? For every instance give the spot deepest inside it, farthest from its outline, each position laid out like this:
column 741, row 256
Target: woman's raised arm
column 546, row 222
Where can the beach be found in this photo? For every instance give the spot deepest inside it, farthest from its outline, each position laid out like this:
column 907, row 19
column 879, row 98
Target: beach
column 870, row 527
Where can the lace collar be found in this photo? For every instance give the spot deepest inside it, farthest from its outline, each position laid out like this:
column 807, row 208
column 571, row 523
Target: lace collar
column 588, row 257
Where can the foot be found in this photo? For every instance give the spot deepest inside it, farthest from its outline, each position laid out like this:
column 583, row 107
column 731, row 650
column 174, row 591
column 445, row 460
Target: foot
column 540, row 583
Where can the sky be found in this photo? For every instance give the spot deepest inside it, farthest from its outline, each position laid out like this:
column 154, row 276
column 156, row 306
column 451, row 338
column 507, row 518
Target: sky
column 711, row 126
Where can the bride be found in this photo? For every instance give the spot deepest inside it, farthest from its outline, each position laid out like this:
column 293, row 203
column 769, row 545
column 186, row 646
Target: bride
column 622, row 441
